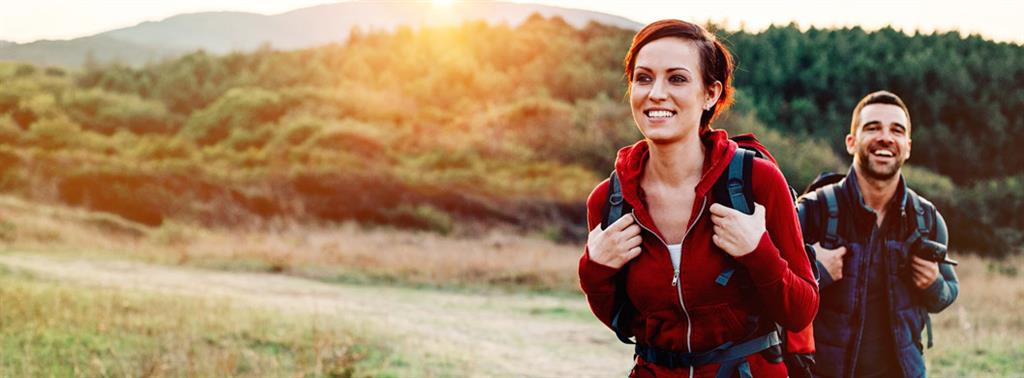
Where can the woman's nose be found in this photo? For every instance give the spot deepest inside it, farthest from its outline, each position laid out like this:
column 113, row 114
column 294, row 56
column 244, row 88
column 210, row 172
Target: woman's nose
column 658, row 91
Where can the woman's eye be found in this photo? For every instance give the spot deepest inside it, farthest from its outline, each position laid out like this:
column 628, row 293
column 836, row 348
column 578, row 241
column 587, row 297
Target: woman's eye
column 677, row 79
column 643, row 78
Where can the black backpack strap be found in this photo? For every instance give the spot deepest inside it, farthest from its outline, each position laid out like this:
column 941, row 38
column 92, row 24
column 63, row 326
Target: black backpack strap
column 824, row 178
column 615, row 208
column 832, row 224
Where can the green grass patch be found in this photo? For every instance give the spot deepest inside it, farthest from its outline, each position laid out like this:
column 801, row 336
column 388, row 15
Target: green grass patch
column 1006, row 360
column 57, row 329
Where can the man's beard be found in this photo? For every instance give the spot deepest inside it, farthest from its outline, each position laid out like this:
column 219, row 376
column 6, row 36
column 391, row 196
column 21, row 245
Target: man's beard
column 875, row 171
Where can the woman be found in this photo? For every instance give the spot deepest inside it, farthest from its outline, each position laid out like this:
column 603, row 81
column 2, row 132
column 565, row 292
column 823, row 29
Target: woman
column 677, row 241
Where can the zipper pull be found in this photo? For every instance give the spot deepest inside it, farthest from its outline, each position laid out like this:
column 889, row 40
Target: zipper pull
column 675, row 278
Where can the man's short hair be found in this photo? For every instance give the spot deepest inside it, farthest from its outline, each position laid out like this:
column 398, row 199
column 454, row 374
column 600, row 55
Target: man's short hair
column 879, row 97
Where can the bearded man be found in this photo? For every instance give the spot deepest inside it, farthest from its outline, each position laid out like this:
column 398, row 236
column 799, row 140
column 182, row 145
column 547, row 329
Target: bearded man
column 869, row 232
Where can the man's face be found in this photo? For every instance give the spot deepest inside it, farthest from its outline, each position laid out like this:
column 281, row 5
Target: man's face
column 882, row 141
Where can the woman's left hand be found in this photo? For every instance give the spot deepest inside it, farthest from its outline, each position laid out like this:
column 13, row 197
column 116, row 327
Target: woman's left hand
column 737, row 233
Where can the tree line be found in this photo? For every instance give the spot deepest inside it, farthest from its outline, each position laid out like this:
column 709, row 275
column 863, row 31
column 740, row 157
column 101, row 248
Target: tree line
column 452, row 127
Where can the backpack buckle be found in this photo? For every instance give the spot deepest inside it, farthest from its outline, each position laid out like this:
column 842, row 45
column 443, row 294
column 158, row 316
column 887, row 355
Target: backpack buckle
column 615, row 199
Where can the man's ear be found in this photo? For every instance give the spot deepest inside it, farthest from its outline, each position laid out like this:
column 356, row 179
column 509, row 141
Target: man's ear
column 850, row 144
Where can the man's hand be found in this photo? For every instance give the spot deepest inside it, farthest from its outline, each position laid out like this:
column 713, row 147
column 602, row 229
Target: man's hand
column 923, row 272
column 831, row 259
column 736, row 233
column 617, row 244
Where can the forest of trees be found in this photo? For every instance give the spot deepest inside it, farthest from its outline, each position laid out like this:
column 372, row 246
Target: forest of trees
column 464, row 127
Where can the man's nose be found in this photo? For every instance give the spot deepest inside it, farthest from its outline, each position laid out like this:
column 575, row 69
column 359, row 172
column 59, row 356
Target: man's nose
column 887, row 136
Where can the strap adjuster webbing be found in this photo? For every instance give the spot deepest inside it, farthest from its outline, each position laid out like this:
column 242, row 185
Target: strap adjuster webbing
column 731, row 358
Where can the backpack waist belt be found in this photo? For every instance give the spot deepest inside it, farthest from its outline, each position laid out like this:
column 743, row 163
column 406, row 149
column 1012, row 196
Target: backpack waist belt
column 732, row 358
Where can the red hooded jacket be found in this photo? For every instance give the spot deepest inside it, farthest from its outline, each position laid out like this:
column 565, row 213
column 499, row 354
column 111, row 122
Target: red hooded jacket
column 773, row 283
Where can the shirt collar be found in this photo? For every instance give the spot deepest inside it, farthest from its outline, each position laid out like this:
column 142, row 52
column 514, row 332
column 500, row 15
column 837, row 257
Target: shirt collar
column 898, row 200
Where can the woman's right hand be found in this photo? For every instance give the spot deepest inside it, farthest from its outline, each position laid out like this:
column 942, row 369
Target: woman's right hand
column 617, row 244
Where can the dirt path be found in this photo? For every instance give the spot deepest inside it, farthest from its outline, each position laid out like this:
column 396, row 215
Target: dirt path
column 490, row 335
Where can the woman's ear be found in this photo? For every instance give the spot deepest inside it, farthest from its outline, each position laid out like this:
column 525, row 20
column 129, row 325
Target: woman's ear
column 714, row 91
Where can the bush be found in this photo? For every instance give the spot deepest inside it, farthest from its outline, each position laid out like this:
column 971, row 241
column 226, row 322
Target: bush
column 54, row 134
column 238, row 108
column 160, row 147
column 931, row 185
column 422, row 216
column 998, row 204
column 107, row 112
column 10, row 133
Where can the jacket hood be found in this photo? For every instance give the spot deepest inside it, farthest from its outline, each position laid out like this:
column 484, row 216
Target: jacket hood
column 632, row 160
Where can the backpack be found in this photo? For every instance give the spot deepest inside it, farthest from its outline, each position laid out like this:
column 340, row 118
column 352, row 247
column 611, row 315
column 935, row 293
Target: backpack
column 734, row 189
column 924, row 218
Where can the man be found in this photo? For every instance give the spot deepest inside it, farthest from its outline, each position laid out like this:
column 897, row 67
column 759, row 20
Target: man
column 875, row 292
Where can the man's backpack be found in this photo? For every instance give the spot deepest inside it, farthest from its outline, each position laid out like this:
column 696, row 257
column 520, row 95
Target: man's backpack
column 924, row 219
column 734, row 188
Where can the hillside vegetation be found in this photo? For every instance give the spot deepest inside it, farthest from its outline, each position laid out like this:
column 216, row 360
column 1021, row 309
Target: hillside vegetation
column 458, row 129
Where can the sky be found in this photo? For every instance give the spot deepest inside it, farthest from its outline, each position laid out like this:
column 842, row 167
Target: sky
column 25, row 21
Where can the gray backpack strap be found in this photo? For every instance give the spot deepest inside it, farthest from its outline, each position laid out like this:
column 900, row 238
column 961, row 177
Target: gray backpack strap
column 738, row 171
column 832, row 225
column 922, row 216
column 738, row 193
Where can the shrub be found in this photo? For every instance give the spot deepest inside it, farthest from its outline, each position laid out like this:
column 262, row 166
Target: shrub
column 54, row 134
column 10, row 133
column 238, row 108
column 107, row 112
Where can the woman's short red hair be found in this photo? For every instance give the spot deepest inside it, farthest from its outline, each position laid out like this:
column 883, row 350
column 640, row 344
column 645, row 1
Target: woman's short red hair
column 716, row 60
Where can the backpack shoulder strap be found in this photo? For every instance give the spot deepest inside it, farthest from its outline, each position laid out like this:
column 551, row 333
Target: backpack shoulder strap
column 828, row 192
column 924, row 217
column 923, row 212
column 738, row 188
column 615, row 208
column 735, row 190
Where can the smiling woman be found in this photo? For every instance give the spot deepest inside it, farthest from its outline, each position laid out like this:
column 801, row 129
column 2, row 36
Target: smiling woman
column 654, row 273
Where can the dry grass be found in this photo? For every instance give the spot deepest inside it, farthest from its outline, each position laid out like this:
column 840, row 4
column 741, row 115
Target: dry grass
column 977, row 335
column 59, row 329
column 980, row 334
column 350, row 253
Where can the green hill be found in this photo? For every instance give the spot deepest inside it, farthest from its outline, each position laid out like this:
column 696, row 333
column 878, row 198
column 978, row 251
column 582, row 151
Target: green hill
column 457, row 128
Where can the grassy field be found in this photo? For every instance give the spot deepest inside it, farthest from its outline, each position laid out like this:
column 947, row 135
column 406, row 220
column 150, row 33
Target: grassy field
column 980, row 334
column 472, row 259
column 56, row 329
column 122, row 332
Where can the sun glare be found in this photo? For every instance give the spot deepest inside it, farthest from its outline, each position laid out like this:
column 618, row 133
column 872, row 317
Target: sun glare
column 442, row 3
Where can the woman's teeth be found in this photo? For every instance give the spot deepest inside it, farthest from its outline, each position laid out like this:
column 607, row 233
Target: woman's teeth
column 659, row 114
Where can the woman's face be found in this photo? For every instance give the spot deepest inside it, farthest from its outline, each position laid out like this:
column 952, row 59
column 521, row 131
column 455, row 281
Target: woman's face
column 667, row 92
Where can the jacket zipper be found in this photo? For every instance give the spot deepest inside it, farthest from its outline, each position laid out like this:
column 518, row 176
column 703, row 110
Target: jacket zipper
column 675, row 275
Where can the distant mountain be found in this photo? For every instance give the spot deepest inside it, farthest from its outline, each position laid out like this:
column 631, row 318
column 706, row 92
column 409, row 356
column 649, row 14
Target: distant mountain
column 76, row 52
column 222, row 32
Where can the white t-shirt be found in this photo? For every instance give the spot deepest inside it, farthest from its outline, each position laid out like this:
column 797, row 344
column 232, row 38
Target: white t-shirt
column 674, row 251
